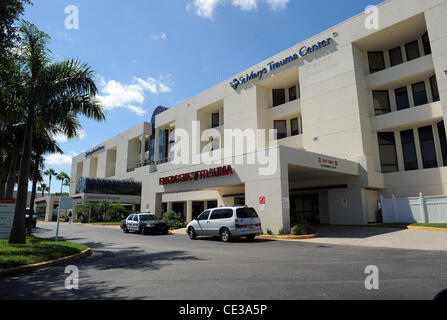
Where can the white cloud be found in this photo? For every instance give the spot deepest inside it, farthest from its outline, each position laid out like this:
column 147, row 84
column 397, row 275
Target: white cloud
column 277, row 4
column 245, row 5
column 161, row 36
column 61, row 138
column 206, row 8
column 60, row 160
column 131, row 96
column 138, row 110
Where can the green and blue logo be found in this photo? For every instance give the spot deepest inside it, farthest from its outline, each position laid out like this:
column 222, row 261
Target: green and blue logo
column 235, row 84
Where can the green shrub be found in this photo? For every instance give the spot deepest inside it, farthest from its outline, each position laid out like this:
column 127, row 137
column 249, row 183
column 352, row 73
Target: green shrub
column 269, row 232
column 174, row 220
column 302, row 227
column 281, row 231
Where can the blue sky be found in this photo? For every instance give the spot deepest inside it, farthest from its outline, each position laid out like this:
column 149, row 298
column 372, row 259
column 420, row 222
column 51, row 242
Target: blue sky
column 150, row 53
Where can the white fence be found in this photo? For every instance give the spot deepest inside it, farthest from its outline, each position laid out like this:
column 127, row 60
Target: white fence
column 414, row 210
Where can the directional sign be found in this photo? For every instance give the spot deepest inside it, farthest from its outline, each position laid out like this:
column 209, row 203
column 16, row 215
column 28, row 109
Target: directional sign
column 7, row 208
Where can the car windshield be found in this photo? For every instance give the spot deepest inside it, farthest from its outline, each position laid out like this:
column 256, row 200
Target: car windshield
column 246, row 213
column 148, row 217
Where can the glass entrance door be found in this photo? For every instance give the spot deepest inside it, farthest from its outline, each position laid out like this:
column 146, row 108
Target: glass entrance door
column 304, row 206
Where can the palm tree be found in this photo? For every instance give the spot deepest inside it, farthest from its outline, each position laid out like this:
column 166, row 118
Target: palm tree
column 63, row 177
column 50, row 173
column 54, row 95
column 43, row 187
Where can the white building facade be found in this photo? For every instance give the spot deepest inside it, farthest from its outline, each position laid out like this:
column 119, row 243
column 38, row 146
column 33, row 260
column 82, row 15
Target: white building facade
column 358, row 112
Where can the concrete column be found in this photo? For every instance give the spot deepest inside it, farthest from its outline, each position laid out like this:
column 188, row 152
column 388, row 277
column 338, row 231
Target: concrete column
column 392, row 95
column 399, row 151
column 437, row 145
column 410, row 95
column 418, row 149
column 428, row 90
column 189, row 211
column 404, row 53
column 169, row 206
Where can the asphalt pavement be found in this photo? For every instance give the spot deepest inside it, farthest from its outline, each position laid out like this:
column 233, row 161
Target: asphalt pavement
column 132, row 266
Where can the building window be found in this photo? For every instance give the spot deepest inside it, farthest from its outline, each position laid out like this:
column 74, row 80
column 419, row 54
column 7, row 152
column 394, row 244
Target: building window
column 443, row 142
column 294, row 126
column 292, row 94
column 402, row 101
column 426, row 43
column 381, row 102
column 434, row 88
column 281, row 127
column 376, row 61
column 279, row 97
column 409, row 150
column 419, row 94
column 396, row 56
column 428, row 147
column 387, row 150
column 163, row 147
column 152, row 150
column 215, row 120
column 412, row 49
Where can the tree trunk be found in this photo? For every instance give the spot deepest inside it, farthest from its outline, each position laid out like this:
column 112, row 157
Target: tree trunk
column 11, row 182
column 33, row 196
column 2, row 189
column 18, row 232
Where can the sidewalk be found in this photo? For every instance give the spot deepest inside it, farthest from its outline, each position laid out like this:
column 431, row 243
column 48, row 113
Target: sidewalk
column 382, row 237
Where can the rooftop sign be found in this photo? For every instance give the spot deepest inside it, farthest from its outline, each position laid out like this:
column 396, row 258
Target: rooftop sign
column 304, row 51
column 97, row 149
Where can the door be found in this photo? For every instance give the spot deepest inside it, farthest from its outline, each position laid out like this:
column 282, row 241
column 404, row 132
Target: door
column 305, row 207
column 202, row 223
column 197, row 208
column 220, row 218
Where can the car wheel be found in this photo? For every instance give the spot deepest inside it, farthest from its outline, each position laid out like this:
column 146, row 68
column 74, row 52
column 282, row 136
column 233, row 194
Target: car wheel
column 225, row 235
column 166, row 231
column 251, row 238
column 192, row 233
column 125, row 230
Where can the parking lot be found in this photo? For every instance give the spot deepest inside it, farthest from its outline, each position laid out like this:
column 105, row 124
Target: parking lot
column 132, row 266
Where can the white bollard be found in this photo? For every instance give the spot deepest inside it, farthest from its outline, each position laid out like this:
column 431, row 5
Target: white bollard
column 423, row 211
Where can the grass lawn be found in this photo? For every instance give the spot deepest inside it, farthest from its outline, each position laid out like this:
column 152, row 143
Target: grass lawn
column 431, row 225
column 35, row 250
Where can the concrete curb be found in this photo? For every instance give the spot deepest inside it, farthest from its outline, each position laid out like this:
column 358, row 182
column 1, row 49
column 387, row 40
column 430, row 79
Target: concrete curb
column 269, row 237
column 44, row 264
column 427, row 228
column 288, row 237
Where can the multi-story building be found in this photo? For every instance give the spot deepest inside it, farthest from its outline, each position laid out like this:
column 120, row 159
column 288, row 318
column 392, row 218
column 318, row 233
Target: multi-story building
column 358, row 111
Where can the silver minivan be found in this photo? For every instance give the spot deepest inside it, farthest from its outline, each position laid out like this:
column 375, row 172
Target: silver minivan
column 226, row 223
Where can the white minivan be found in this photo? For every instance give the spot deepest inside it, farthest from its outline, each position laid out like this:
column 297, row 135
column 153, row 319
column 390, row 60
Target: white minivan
column 226, row 223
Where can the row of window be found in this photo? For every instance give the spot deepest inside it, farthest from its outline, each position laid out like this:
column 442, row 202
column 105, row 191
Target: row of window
column 382, row 103
column 376, row 59
column 388, row 153
column 281, row 127
column 279, row 95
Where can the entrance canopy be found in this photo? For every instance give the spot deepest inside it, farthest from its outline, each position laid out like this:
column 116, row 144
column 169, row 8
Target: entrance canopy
column 304, row 165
